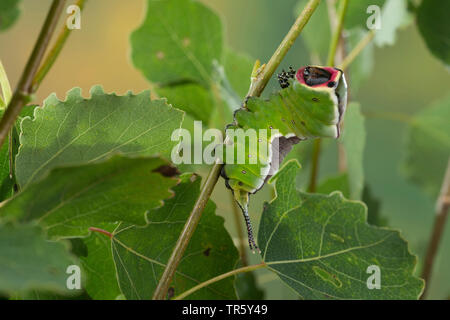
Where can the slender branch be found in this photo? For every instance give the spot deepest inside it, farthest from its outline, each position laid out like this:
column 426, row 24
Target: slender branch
column 218, row 278
column 317, row 144
column 442, row 208
column 337, row 33
column 24, row 88
column 258, row 85
column 357, row 49
column 54, row 52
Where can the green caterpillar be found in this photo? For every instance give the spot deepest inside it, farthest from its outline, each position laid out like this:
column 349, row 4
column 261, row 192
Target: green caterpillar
column 310, row 105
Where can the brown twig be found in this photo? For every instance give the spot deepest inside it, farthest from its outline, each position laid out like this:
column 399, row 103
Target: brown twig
column 442, row 208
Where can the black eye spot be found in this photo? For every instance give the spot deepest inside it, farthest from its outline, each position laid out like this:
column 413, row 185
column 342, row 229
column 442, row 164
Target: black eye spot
column 315, row 99
column 207, row 251
column 240, row 183
column 331, row 84
column 303, row 123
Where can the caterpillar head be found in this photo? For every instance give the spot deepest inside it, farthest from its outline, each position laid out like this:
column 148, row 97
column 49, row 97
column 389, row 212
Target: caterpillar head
column 326, row 79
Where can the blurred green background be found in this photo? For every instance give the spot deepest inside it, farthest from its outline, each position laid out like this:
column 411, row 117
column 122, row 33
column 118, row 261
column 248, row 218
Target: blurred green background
column 406, row 78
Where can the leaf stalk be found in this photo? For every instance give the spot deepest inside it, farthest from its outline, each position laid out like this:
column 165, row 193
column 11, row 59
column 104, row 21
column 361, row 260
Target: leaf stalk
column 218, row 278
column 442, row 208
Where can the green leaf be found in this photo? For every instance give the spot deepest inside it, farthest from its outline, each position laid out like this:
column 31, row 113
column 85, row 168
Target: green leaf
column 373, row 204
column 179, row 39
column 335, row 183
column 69, row 200
column 247, row 288
column 238, row 69
column 354, row 140
column 140, row 254
column 9, row 12
column 340, row 183
column 101, row 280
column 321, row 246
column 7, row 183
column 428, row 146
column 201, row 103
column 434, row 25
column 190, row 97
column 28, row 261
column 80, row 130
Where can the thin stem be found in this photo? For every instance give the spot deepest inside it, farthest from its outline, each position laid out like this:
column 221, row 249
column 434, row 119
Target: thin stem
column 317, row 144
column 442, row 208
column 337, row 33
column 357, row 49
column 218, row 278
column 54, row 52
column 106, row 233
column 258, row 84
column 24, row 88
